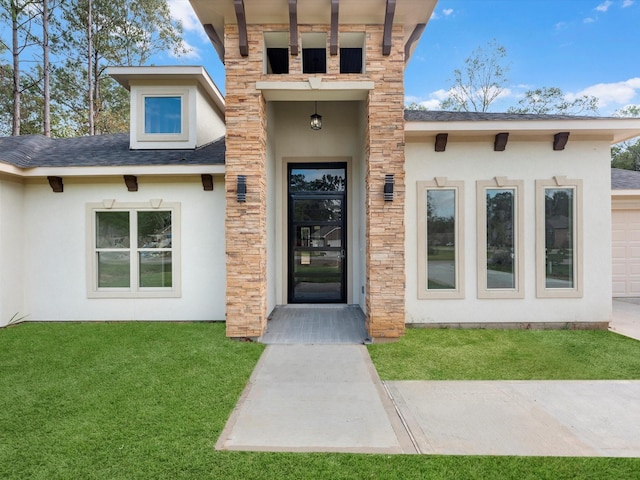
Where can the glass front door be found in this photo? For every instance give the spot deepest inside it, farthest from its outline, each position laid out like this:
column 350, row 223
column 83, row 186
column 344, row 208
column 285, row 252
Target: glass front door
column 317, row 231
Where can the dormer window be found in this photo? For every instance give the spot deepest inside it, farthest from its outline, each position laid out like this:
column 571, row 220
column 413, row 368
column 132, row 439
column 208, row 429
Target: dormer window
column 164, row 112
column 162, row 115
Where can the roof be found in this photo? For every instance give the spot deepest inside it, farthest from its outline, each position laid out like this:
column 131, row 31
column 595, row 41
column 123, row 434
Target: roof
column 31, row 151
column 625, row 179
column 422, row 122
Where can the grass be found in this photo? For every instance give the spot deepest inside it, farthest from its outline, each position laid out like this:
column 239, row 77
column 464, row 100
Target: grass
column 148, row 401
column 439, row 354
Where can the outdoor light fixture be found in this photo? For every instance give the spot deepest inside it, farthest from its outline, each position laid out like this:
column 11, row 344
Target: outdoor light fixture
column 241, row 191
column 316, row 120
column 388, row 188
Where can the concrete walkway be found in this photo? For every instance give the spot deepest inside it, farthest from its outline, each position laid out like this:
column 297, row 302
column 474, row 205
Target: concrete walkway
column 328, row 398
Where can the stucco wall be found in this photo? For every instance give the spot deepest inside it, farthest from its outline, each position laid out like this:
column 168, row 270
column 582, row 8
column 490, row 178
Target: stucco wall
column 11, row 250
column 475, row 159
column 55, row 245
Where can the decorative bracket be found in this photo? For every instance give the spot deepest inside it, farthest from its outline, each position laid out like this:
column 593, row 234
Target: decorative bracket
column 293, row 27
column 500, row 144
column 131, row 181
column 333, row 43
column 560, row 140
column 441, row 142
column 388, row 27
column 242, row 27
column 56, row 184
column 207, row 182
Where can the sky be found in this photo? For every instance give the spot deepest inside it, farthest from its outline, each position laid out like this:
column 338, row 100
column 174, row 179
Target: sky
column 583, row 47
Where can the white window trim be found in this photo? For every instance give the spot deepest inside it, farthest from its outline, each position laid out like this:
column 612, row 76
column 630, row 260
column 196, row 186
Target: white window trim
column 444, row 184
column 481, row 204
column 541, row 289
column 160, row 91
column 134, row 291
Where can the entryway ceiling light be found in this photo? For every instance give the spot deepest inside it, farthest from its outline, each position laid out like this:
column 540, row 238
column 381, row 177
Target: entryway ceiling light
column 316, row 120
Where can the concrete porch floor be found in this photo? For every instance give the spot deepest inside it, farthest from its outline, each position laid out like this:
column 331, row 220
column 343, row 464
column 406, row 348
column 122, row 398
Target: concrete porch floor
column 315, row 324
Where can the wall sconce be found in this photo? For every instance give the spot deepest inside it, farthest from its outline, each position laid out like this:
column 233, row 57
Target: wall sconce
column 241, row 190
column 316, row 120
column 388, row 188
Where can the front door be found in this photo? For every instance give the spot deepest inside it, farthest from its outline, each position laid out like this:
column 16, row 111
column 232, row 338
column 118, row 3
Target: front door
column 317, row 230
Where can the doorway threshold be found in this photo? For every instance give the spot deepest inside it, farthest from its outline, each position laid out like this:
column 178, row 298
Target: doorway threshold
column 316, row 324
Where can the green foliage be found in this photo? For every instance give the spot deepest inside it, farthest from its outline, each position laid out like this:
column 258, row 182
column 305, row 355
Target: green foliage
column 149, row 400
column 484, row 77
column 551, row 100
column 441, row 354
column 626, row 155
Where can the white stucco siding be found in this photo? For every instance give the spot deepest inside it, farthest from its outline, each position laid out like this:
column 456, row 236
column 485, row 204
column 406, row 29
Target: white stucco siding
column 55, row 244
column 209, row 120
column 472, row 160
column 11, row 250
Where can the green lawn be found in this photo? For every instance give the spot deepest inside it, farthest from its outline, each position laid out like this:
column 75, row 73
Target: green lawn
column 148, row 401
column 449, row 354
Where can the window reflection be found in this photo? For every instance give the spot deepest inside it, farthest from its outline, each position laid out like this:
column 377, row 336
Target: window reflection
column 559, row 242
column 441, row 238
column 500, row 238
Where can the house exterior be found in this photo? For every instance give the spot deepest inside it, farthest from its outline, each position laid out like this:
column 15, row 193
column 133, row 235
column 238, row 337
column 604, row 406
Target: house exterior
column 223, row 209
column 625, row 205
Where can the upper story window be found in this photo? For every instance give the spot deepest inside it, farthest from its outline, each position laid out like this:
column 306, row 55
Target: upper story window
column 314, row 53
column 352, row 52
column 277, row 52
column 162, row 114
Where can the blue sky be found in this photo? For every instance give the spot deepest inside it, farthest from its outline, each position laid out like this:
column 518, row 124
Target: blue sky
column 587, row 47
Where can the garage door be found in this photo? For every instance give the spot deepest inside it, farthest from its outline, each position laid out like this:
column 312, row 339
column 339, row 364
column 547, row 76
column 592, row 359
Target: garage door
column 626, row 253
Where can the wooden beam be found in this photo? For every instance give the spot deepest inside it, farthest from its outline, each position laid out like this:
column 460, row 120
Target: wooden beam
column 500, row 144
column 388, row 26
column 218, row 44
column 333, row 43
column 560, row 140
column 242, row 27
column 131, row 181
column 56, row 184
column 441, row 142
column 207, row 182
column 413, row 38
column 293, row 28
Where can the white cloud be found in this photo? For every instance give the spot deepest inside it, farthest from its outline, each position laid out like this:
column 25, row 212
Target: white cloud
column 603, row 7
column 181, row 10
column 447, row 11
column 192, row 53
column 611, row 94
column 627, row 3
column 588, row 20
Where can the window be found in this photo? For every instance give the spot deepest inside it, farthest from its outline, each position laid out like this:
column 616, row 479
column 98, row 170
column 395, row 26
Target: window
column 162, row 115
column 314, row 53
column 134, row 251
column 559, row 237
column 500, row 238
column 276, row 60
column 440, row 236
column 352, row 52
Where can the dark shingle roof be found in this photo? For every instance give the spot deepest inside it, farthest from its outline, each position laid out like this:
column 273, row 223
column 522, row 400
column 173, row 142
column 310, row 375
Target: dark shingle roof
column 31, row 151
column 624, row 179
column 442, row 116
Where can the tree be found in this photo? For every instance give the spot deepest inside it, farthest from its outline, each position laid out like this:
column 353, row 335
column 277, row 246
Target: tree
column 551, row 100
column 101, row 33
column 480, row 82
column 626, row 155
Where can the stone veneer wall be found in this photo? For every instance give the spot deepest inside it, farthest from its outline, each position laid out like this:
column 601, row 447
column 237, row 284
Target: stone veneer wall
column 246, row 228
column 385, row 300
column 246, row 223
